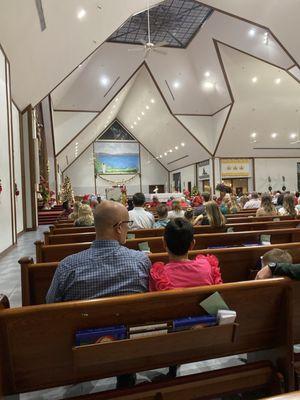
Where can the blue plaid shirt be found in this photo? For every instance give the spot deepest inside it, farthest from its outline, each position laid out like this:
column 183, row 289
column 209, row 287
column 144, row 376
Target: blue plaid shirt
column 105, row 269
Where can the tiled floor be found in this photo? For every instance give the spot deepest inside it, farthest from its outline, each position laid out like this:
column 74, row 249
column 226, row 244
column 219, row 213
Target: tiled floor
column 10, row 284
column 10, row 274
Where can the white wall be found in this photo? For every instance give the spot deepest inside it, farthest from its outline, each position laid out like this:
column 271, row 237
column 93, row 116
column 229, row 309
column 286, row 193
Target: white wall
column 81, row 173
column 153, row 173
column 18, row 168
column 6, row 224
column 188, row 174
column 276, row 168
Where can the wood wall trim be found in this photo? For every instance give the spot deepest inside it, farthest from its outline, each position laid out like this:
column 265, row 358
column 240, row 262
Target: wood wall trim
column 32, row 167
column 9, row 140
column 77, row 111
column 253, row 174
column 23, row 171
column 13, row 159
column 53, row 145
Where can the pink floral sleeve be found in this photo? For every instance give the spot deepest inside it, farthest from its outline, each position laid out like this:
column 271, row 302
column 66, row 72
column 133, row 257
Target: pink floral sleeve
column 214, row 263
column 158, row 279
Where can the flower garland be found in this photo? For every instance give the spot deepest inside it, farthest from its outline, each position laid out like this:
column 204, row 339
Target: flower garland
column 118, row 183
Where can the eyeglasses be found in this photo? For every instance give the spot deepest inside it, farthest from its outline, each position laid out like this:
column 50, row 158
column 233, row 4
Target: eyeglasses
column 130, row 223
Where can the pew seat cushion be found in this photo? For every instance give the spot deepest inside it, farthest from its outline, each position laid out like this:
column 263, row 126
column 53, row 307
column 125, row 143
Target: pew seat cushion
column 203, row 270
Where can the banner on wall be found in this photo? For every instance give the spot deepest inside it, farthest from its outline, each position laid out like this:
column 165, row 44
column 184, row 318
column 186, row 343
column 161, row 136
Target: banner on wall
column 117, row 158
column 236, row 168
column 203, row 170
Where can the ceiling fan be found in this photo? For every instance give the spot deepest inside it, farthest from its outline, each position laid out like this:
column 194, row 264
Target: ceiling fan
column 149, row 46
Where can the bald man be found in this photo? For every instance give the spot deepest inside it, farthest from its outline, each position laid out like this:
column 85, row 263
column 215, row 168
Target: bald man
column 107, row 268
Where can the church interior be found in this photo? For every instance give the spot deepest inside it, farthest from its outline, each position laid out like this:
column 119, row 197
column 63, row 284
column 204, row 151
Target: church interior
column 149, row 199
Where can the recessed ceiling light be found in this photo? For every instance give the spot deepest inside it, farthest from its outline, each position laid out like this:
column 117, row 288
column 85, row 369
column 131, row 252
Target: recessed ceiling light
column 104, row 80
column 147, row 107
column 114, row 106
column 266, row 38
column 81, row 13
column 117, row 99
column 143, row 113
column 139, row 118
column 253, row 135
column 80, row 66
column 251, row 32
column 277, row 81
column 171, row 151
column 176, row 147
column 207, row 74
column 131, row 126
column 160, row 156
column 76, row 143
column 207, row 85
column 182, row 144
column 176, row 84
column 293, row 135
column 254, row 79
column 135, row 123
column 152, row 101
column 274, row 135
column 165, row 154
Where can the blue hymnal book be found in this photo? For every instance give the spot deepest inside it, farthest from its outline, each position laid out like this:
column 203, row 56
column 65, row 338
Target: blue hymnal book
column 100, row 335
column 188, row 322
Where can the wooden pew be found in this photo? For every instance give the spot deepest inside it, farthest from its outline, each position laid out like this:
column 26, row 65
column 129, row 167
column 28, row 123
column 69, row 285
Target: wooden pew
column 290, row 223
column 260, row 376
column 236, row 265
column 37, row 342
column 203, row 241
column 56, row 252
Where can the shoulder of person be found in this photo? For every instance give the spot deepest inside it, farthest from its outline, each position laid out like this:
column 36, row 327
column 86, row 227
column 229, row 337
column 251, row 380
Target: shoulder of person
column 135, row 254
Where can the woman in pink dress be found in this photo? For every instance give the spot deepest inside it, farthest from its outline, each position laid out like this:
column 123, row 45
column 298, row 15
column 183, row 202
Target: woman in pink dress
column 180, row 272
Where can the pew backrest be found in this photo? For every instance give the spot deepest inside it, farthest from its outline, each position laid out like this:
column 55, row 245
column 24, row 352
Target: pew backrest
column 236, row 264
column 56, row 252
column 237, row 227
column 38, row 348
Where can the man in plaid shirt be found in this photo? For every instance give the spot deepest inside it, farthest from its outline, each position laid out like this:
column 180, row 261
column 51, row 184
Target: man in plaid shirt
column 106, row 269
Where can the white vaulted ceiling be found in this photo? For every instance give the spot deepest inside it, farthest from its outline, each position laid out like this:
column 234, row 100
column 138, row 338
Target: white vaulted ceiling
column 40, row 60
column 269, row 107
column 203, row 94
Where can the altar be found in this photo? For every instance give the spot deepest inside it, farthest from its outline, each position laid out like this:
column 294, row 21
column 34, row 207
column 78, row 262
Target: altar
column 163, row 197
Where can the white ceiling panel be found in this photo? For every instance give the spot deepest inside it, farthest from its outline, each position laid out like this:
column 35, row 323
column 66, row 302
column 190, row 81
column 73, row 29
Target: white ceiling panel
column 67, row 125
column 40, row 60
column 146, row 115
column 282, row 17
column 265, row 119
column 93, row 130
column 98, row 79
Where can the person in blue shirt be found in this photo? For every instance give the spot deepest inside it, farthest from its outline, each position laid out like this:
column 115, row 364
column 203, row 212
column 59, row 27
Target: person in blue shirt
column 162, row 213
column 105, row 269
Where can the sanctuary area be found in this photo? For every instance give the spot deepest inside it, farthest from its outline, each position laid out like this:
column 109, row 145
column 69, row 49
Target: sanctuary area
column 149, row 199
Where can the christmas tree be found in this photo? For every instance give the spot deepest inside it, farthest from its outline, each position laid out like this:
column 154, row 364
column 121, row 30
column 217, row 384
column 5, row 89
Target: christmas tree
column 67, row 193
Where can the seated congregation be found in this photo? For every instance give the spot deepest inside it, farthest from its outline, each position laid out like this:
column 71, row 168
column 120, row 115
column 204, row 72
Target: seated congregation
column 109, row 269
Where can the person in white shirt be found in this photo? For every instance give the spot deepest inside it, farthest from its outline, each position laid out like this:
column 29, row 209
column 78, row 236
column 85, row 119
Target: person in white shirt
column 141, row 219
column 254, row 202
column 177, row 211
